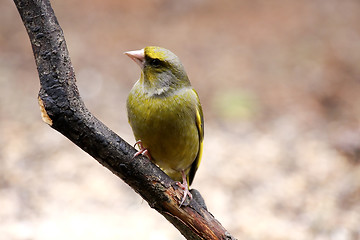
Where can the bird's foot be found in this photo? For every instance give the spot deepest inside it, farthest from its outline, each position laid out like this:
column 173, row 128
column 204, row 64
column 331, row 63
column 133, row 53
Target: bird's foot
column 184, row 186
column 142, row 150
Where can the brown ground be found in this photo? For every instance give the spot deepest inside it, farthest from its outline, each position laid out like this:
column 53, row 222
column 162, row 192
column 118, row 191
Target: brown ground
column 279, row 83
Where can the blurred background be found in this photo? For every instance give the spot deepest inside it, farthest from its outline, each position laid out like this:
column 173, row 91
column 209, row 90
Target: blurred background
column 280, row 88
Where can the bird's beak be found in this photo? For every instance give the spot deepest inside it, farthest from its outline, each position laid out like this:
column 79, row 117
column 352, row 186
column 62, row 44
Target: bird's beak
column 138, row 56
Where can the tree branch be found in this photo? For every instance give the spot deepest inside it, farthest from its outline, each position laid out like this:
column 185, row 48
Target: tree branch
column 62, row 108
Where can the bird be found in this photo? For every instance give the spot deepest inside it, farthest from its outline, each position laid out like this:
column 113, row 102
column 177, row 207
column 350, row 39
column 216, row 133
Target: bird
column 166, row 117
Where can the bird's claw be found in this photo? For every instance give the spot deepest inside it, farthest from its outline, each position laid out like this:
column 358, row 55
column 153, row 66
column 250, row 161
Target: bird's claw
column 186, row 192
column 184, row 186
column 142, row 150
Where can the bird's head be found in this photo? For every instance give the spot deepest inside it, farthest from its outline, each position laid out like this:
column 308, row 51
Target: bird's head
column 162, row 70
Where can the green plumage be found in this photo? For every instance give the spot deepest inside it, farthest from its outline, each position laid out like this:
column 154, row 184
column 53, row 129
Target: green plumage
column 164, row 112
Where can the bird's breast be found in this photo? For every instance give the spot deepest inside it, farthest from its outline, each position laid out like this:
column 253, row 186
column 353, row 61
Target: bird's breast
column 167, row 128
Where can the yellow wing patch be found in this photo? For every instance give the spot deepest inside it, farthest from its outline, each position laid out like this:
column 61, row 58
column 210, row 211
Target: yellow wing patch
column 199, row 120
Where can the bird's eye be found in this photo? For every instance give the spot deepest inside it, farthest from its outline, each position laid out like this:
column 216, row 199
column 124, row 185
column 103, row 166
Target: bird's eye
column 154, row 62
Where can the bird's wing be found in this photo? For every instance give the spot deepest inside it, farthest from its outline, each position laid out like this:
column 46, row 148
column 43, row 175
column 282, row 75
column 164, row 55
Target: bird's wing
column 199, row 121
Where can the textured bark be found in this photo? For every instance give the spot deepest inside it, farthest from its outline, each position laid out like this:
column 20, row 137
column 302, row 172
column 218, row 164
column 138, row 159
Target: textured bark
column 62, row 108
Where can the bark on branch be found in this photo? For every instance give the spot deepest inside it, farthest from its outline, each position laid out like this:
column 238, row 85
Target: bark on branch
column 63, row 109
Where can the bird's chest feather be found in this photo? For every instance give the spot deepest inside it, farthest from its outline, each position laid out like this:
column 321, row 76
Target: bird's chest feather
column 153, row 118
column 166, row 126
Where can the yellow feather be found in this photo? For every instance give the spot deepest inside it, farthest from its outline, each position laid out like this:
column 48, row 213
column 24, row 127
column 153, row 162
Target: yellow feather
column 200, row 127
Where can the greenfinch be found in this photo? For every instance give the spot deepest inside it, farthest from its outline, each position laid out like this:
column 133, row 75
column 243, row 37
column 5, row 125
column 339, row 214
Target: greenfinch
column 165, row 114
